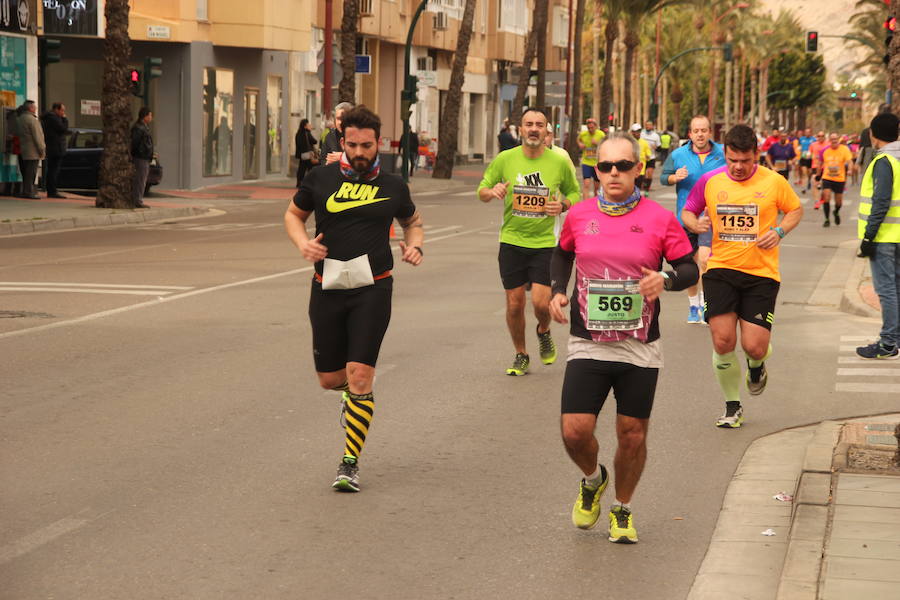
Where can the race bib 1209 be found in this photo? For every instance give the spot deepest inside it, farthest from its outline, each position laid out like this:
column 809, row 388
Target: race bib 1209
column 529, row 201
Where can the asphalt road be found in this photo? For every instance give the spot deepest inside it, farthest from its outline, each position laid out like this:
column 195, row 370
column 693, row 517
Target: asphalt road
column 163, row 435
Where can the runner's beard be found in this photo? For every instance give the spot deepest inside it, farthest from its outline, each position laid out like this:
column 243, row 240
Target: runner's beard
column 361, row 164
column 534, row 142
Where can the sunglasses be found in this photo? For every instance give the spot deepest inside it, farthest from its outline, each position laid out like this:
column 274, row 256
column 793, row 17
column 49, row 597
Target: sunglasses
column 620, row 165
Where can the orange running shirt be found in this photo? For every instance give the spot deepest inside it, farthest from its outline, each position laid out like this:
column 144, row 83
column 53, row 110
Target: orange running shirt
column 740, row 212
column 816, row 150
column 834, row 163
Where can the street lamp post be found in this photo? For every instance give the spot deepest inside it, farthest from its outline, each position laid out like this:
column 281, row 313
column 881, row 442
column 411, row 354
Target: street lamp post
column 408, row 95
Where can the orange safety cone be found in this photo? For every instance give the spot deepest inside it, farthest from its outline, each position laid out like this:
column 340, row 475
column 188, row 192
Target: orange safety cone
column 393, row 234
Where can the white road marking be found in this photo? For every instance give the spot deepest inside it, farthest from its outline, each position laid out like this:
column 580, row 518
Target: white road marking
column 466, row 193
column 39, row 538
column 868, row 388
column 99, row 285
column 854, row 360
column 849, row 372
column 856, row 338
column 188, row 294
column 84, row 291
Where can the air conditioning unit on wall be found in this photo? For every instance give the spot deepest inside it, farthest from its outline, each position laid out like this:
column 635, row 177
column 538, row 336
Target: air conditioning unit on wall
column 366, row 8
column 440, row 21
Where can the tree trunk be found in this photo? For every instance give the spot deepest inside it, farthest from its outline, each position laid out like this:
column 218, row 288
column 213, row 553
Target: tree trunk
column 606, row 94
column 595, row 64
column 893, row 67
column 448, row 129
column 631, row 42
column 116, row 169
column 741, row 86
column 541, row 10
column 727, row 103
column 525, row 76
column 763, row 96
column 713, row 89
column 754, row 94
column 349, row 33
column 575, row 115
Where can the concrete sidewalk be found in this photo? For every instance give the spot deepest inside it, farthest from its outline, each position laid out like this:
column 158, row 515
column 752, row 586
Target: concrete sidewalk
column 802, row 522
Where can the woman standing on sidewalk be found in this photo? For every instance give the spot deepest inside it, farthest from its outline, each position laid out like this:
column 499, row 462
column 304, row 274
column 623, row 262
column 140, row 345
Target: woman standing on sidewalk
column 305, row 143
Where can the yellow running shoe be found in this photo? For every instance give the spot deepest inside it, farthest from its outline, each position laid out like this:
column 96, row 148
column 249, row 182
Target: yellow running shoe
column 586, row 511
column 621, row 526
column 519, row 366
column 547, row 347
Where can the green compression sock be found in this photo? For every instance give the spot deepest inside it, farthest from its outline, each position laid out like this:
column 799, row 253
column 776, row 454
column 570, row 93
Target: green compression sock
column 752, row 362
column 728, row 374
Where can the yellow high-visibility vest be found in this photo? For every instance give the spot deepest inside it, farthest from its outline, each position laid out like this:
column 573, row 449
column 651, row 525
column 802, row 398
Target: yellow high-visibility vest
column 889, row 231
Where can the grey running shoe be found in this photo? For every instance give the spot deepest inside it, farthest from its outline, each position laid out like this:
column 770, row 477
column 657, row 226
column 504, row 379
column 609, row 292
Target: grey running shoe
column 347, row 479
column 756, row 379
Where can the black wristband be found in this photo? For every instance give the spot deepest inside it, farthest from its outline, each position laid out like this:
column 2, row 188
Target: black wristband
column 419, row 248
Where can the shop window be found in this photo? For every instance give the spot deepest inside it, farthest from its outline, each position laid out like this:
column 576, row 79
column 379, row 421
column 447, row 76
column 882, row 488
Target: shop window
column 273, row 124
column 218, row 121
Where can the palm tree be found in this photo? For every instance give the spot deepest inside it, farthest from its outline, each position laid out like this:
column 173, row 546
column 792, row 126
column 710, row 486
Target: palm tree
column 613, row 11
column 679, row 37
column 786, row 33
column 448, row 129
column 869, row 33
column 574, row 116
column 349, row 33
column 525, row 75
column 634, row 12
column 116, row 170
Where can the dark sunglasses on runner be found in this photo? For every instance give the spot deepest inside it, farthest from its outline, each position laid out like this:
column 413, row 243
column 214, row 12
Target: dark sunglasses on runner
column 620, row 165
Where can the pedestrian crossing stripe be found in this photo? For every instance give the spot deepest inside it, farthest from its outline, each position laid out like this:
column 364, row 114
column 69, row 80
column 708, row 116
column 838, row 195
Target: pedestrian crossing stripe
column 859, row 375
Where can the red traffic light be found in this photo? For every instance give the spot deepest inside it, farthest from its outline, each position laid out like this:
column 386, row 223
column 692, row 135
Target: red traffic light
column 135, row 76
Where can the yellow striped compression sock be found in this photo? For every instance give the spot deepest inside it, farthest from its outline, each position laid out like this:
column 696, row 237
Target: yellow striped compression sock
column 357, row 415
column 728, row 373
column 753, row 363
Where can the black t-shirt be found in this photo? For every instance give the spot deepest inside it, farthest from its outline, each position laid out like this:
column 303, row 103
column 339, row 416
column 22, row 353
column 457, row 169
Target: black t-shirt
column 355, row 216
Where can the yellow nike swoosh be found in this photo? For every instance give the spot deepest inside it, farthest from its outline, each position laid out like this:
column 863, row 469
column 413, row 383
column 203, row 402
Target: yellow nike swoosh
column 334, row 206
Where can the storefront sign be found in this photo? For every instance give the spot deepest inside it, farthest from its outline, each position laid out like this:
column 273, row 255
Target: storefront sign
column 73, row 17
column 363, row 64
column 12, row 71
column 159, row 32
column 426, row 78
column 18, row 16
column 90, row 108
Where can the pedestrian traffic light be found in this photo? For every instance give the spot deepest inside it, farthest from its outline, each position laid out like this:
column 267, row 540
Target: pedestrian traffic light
column 48, row 51
column 134, row 82
column 812, row 41
column 728, row 52
column 152, row 68
column 890, row 25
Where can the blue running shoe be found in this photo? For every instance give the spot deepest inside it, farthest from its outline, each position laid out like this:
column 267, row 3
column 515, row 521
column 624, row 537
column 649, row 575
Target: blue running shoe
column 696, row 315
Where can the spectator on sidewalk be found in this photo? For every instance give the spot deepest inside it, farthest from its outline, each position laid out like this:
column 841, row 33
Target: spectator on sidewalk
column 10, row 174
column 879, row 230
column 331, row 149
column 56, row 131
column 141, row 155
column 33, row 147
column 506, row 139
column 413, row 149
column 305, row 144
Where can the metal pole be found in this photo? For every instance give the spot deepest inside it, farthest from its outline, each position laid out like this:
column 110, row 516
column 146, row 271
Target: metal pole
column 568, row 60
column 408, row 91
column 658, row 31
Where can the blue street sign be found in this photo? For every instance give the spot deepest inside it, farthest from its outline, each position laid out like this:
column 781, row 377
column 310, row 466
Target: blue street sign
column 363, row 64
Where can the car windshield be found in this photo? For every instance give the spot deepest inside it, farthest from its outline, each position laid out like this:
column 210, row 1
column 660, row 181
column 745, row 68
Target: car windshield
column 86, row 139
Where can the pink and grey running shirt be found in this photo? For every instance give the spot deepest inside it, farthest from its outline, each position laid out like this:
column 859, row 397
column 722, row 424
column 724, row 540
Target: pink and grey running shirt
column 609, row 253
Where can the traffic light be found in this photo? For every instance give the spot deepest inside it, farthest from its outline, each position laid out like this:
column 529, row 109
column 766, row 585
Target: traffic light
column 48, row 51
column 134, row 82
column 728, row 52
column 812, row 41
column 853, row 95
column 152, row 67
column 890, row 25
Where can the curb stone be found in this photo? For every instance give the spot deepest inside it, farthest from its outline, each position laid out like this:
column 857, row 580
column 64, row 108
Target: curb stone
column 121, row 218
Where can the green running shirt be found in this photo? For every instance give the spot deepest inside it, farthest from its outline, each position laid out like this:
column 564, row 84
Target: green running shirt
column 531, row 182
column 591, row 142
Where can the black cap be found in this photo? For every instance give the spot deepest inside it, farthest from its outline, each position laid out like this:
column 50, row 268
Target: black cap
column 885, row 127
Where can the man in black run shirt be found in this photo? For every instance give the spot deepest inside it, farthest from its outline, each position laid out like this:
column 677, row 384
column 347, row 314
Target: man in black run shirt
column 350, row 297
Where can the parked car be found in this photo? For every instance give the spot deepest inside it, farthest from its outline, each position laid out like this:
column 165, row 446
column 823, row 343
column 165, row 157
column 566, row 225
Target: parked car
column 81, row 165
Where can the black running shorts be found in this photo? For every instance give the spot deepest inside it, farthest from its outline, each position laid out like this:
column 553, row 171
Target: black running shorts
column 750, row 296
column 835, row 186
column 806, row 162
column 519, row 265
column 349, row 325
column 587, row 384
